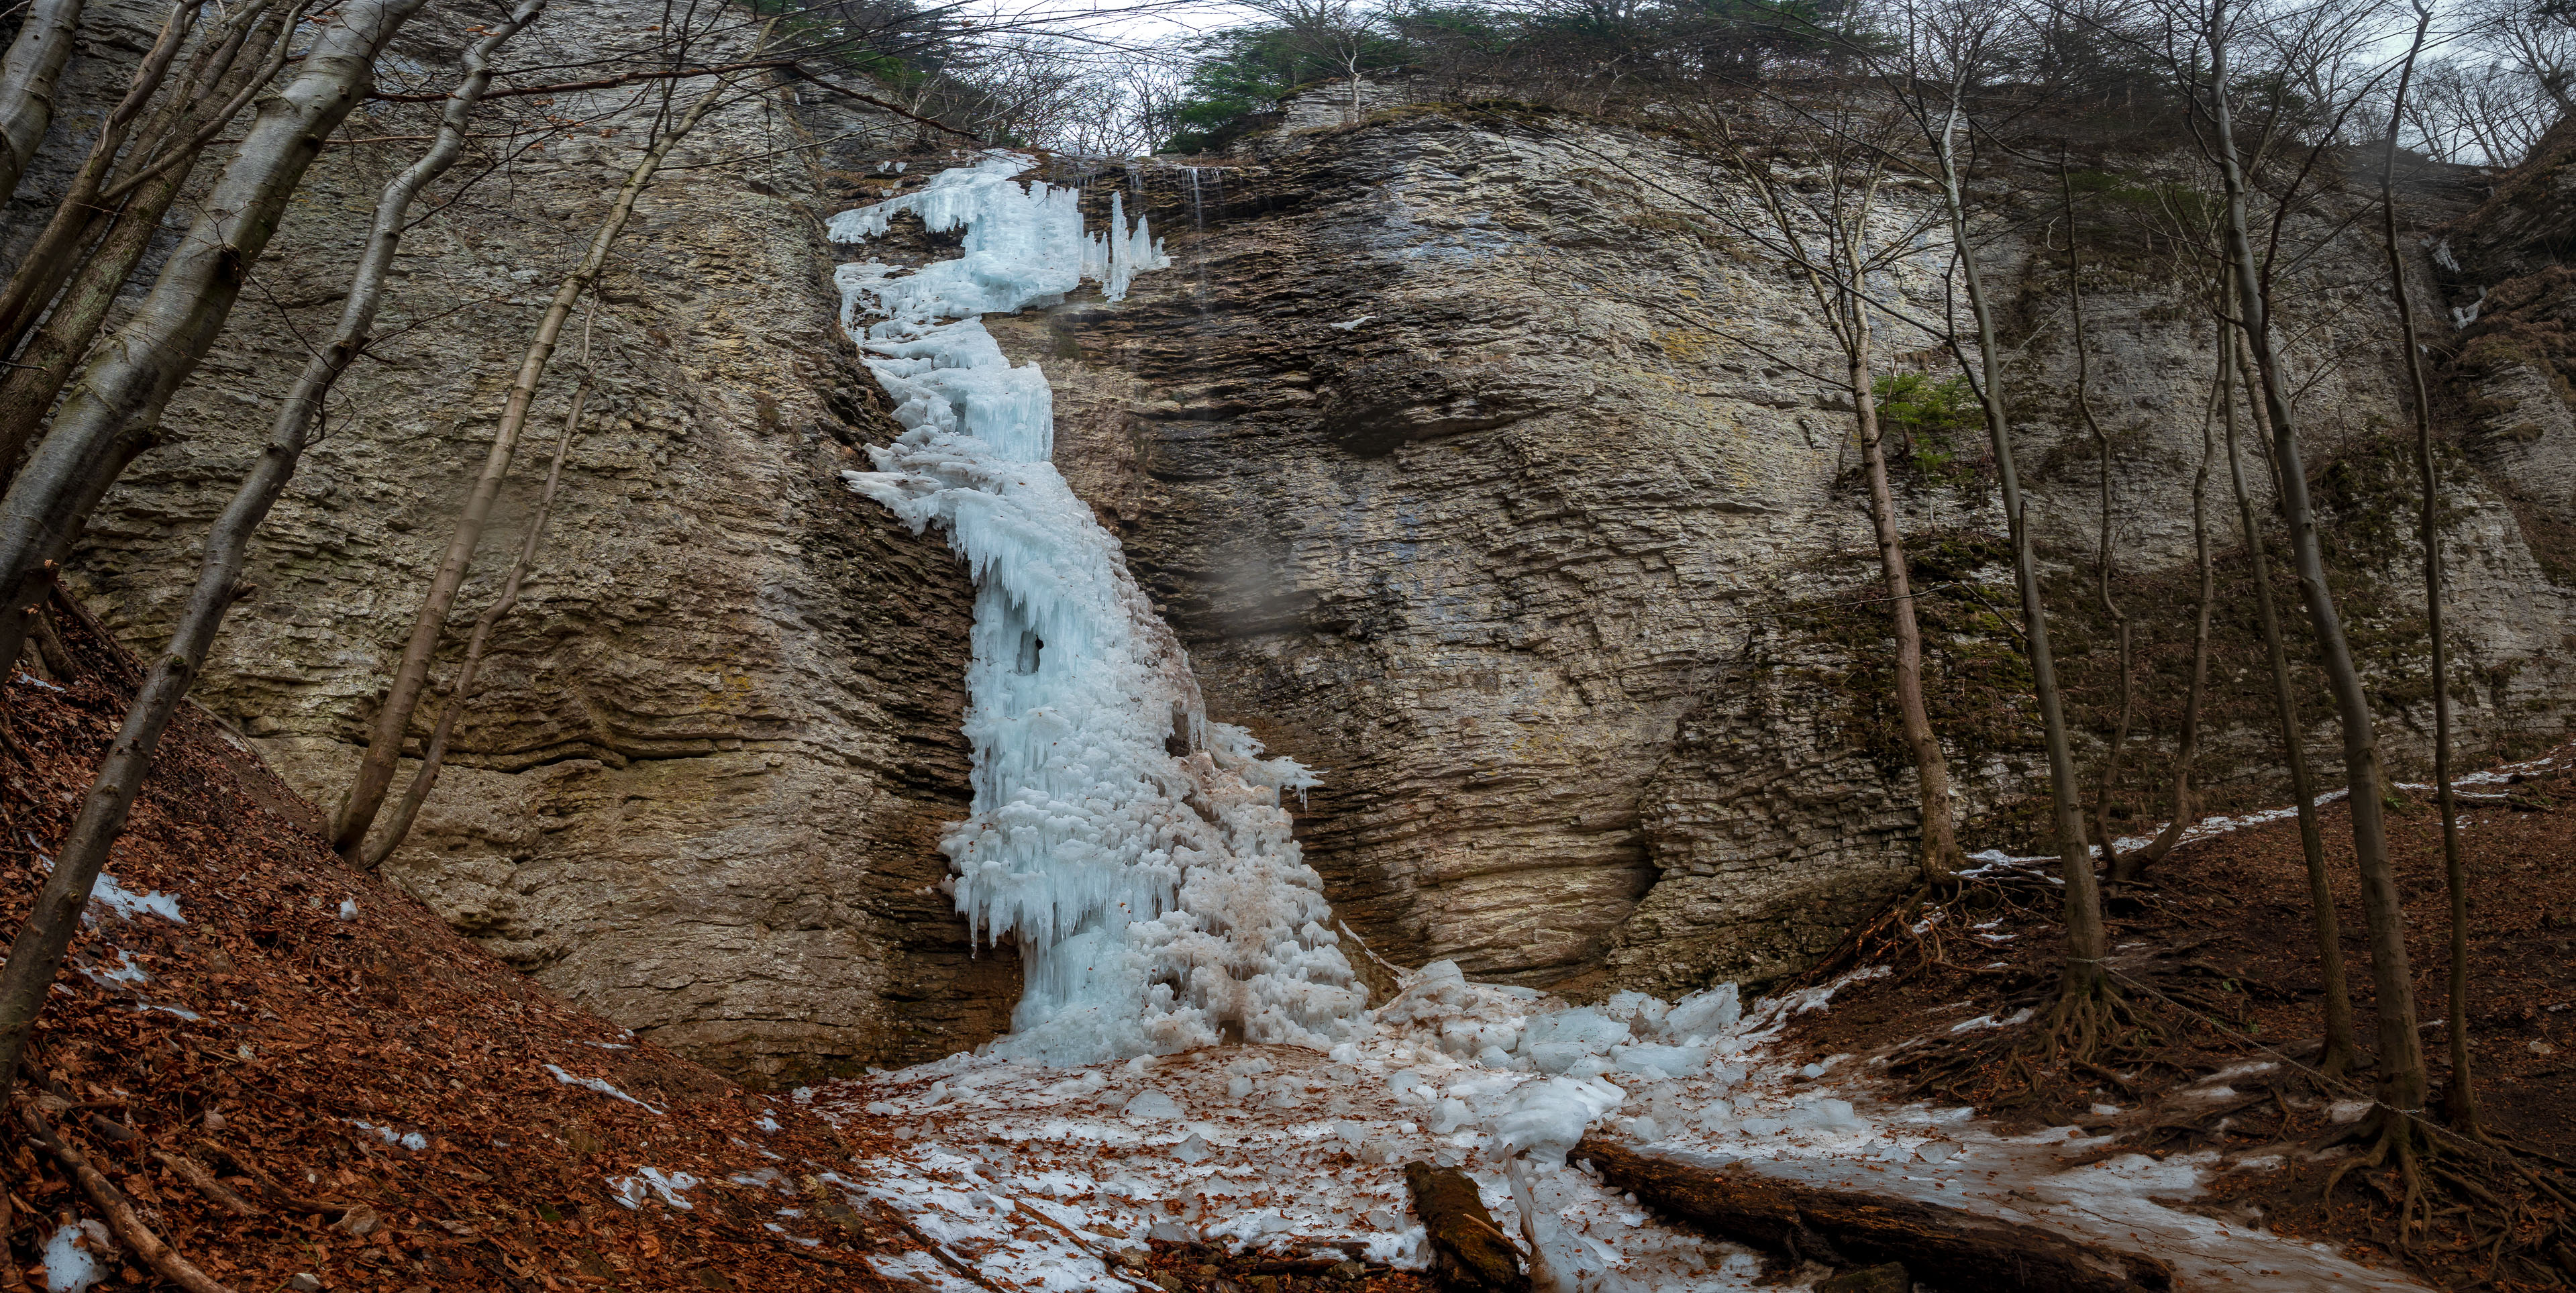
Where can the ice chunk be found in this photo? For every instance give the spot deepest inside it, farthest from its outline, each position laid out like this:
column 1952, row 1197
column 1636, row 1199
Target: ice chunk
column 1555, row 1043
column 1150, row 1105
column 70, row 1263
column 1543, row 1119
column 1193, row 1150
column 1655, row 1061
column 1704, row 1014
column 1639, row 1011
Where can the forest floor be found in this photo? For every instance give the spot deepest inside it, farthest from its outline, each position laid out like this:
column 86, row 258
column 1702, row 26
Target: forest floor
column 2220, row 950
column 398, row 1109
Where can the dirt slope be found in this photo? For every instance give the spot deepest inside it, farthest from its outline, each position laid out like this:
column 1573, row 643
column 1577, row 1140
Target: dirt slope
column 2219, row 952
column 453, row 1126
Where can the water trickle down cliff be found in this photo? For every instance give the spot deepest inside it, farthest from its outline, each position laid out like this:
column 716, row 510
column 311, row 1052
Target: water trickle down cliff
column 1138, row 854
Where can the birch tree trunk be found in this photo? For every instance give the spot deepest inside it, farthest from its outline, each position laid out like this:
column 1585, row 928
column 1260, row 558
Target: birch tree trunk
column 27, row 75
column 114, row 406
column 36, row 957
column 2403, row 1081
column 366, row 794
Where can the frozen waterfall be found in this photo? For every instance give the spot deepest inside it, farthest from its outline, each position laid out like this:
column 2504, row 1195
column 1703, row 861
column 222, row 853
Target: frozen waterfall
column 1138, row 853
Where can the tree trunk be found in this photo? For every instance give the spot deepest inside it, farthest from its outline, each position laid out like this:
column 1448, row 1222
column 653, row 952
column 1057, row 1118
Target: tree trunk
column 2120, row 870
column 55, row 250
column 28, row 392
column 434, row 757
column 2339, row 1053
column 1948, row 1248
column 2187, row 747
column 366, row 794
column 1939, row 855
column 2459, row 1099
column 2086, row 938
column 1842, row 303
column 36, row 956
column 114, row 407
column 2402, row 1078
column 27, row 75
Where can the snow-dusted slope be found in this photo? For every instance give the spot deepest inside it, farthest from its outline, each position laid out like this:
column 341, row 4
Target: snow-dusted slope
column 1035, row 1174
column 1138, row 853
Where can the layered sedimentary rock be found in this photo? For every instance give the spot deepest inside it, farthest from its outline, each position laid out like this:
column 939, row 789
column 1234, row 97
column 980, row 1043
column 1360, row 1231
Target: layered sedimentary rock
column 1473, row 466
column 702, row 788
column 1477, row 468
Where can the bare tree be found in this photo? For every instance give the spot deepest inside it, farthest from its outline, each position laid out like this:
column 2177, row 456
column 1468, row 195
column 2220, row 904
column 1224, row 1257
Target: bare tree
column 1338, row 32
column 2403, row 1082
column 2107, row 840
column 425, row 779
column 36, row 956
column 2459, row 1099
column 2339, row 1051
column 1942, row 50
column 366, row 794
column 1853, row 154
column 112, row 410
column 1827, row 241
column 82, row 288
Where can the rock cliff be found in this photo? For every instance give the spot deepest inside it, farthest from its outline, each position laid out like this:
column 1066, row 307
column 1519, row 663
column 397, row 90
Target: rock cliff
column 702, row 789
column 1424, row 446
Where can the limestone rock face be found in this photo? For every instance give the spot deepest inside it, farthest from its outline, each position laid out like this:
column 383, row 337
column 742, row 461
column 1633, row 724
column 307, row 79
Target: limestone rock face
column 701, row 787
column 1476, row 470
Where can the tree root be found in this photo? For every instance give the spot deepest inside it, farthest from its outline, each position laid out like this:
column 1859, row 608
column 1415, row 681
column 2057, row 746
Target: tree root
column 2505, row 1209
column 121, row 1216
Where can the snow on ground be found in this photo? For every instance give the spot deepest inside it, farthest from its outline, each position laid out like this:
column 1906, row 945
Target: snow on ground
column 2475, row 786
column 1032, row 1174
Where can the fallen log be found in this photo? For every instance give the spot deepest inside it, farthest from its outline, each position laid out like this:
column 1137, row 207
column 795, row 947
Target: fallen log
column 1469, row 1253
column 1945, row 1248
column 121, row 1217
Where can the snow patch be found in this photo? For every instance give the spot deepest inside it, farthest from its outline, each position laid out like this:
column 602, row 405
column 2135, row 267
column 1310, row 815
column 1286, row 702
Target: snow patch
column 599, row 1085
column 631, row 1191
column 410, row 1140
column 71, row 1261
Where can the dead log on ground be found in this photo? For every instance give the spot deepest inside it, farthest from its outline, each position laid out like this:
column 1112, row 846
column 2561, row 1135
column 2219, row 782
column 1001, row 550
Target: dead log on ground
column 1469, row 1253
column 1945, row 1248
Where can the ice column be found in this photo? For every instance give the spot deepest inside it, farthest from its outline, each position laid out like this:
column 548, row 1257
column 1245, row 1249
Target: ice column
column 1138, row 853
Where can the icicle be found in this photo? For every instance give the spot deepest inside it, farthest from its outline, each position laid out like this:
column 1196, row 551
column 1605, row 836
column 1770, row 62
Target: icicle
column 1139, row 853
